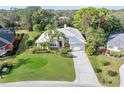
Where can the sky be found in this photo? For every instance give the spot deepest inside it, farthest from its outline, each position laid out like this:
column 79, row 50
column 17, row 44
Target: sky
column 64, row 7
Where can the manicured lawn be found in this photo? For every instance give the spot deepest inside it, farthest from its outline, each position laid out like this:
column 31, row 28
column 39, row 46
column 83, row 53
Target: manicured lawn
column 104, row 78
column 41, row 67
column 45, row 66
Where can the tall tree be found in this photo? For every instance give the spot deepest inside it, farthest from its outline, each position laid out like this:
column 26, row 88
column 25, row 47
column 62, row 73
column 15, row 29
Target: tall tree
column 96, row 18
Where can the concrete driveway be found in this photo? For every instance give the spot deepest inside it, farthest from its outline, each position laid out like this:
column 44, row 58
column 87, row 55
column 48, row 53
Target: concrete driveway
column 85, row 76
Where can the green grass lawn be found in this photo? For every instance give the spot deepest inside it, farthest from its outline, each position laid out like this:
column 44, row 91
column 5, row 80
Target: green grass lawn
column 97, row 62
column 45, row 66
column 41, row 67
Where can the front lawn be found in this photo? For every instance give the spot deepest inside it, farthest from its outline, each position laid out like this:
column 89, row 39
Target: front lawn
column 40, row 67
column 44, row 66
column 97, row 63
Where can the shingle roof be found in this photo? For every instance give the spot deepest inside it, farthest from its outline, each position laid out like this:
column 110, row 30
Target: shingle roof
column 6, row 36
column 116, row 40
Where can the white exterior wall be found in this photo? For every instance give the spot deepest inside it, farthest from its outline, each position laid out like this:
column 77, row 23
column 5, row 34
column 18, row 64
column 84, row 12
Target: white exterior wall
column 55, row 43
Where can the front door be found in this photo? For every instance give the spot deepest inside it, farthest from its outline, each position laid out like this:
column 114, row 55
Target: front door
column 60, row 44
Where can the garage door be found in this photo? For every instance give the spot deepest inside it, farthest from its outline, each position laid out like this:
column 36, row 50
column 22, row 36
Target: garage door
column 78, row 47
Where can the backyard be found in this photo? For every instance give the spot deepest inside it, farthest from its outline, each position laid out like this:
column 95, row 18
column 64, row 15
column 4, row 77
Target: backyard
column 105, row 64
column 44, row 66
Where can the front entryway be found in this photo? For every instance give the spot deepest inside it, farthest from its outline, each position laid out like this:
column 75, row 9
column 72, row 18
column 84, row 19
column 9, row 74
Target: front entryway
column 60, row 44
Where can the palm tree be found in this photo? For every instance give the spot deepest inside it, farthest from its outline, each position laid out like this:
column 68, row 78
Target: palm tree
column 45, row 45
column 50, row 28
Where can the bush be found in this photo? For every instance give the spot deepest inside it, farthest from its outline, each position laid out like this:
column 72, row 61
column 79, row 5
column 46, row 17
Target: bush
column 29, row 43
column 38, row 51
column 90, row 49
column 98, row 70
column 68, row 50
column 37, row 27
column 33, row 50
column 64, row 51
column 110, row 82
column 112, row 73
column 106, row 63
column 69, row 55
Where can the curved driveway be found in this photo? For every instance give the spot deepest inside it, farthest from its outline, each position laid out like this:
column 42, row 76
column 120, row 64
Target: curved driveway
column 85, row 76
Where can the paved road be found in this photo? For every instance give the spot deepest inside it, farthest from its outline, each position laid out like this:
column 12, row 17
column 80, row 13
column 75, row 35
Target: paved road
column 121, row 71
column 85, row 75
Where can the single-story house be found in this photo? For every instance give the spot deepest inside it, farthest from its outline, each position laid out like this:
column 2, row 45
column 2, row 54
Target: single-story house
column 72, row 36
column 6, row 41
column 54, row 43
column 116, row 42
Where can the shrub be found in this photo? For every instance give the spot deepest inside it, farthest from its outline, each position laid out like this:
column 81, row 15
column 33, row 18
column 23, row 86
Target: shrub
column 37, row 27
column 68, row 50
column 106, row 63
column 69, row 55
column 64, row 51
column 112, row 73
column 98, row 70
column 36, row 50
column 110, row 82
column 29, row 43
column 90, row 49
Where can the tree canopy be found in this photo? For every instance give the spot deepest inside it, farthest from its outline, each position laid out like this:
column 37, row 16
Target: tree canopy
column 96, row 24
column 96, row 18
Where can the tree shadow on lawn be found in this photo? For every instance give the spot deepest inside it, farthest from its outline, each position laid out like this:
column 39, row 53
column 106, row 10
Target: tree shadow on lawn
column 22, row 62
column 22, row 46
column 31, row 64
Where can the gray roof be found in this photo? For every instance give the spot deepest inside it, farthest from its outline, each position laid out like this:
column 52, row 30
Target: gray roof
column 5, row 37
column 116, row 40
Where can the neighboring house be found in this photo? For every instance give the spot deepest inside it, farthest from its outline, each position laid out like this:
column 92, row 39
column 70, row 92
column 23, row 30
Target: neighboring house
column 6, row 41
column 54, row 42
column 116, row 42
